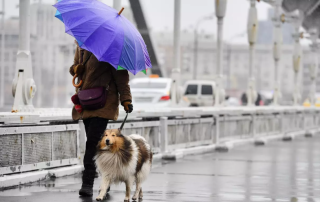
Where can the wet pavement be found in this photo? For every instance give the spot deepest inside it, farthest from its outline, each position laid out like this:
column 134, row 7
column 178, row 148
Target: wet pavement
column 280, row 171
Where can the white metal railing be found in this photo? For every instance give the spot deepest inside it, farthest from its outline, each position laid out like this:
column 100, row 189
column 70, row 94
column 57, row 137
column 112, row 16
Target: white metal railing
column 166, row 130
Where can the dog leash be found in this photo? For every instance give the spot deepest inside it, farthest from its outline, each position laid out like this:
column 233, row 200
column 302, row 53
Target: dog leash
column 124, row 121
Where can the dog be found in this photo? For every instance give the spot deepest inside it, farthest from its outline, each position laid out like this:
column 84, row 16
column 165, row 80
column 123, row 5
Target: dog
column 125, row 159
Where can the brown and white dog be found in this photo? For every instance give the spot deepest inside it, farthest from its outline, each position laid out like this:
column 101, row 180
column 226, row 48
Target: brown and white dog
column 125, row 159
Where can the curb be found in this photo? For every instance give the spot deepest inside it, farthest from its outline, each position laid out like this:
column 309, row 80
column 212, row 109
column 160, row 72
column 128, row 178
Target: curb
column 8, row 181
column 265, row 140
column 229, row 145
column 180, row 153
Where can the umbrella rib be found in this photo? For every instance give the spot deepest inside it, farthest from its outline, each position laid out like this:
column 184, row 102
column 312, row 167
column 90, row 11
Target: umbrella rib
column 145, row 51
column 126, row 52
column 93, row 5
column 79, row 9
column 134, row 64
column 76, row 10
column 81, row 23
column 107, row 50
column 95, row 30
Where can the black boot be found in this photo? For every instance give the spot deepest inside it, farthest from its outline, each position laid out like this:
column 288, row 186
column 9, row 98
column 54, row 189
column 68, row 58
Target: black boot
column 87, row 183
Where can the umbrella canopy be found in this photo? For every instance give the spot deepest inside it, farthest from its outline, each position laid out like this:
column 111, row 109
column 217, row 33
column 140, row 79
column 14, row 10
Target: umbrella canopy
column 101, row 30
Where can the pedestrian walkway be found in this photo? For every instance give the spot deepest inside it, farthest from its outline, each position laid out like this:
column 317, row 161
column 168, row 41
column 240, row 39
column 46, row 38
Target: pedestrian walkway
column 280, row 171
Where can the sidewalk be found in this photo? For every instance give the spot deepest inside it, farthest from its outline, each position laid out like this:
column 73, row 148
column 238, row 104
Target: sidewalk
column 280, row 171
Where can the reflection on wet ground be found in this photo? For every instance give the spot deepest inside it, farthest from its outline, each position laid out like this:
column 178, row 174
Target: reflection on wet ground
column 280, row 171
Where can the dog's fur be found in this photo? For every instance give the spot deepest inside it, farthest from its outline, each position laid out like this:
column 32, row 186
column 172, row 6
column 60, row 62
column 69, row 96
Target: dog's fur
column 123, row 159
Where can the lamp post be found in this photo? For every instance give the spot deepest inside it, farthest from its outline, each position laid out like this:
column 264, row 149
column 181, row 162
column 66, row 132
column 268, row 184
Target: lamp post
column 23, row 85
column 175, row 73
column 195, row 49
column 252, row 38
column 296, row 18
column 277, row 48
column 221, row 7
column 314, row 33
column 2, row 56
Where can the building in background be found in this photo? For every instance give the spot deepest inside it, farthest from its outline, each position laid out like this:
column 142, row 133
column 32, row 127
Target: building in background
column 53, row 52
column 235, row 63
column 236, row 60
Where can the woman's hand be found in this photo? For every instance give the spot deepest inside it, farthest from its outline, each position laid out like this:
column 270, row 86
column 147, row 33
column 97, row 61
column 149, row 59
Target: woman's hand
column 128, row 107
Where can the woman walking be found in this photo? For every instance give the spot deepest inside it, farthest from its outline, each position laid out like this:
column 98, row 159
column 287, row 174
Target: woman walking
column 93, row 74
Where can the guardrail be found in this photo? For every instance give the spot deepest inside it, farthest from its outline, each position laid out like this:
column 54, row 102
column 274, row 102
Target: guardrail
column 58, row 141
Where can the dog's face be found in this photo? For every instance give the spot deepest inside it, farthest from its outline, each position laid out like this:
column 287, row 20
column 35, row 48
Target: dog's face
column 110, row 138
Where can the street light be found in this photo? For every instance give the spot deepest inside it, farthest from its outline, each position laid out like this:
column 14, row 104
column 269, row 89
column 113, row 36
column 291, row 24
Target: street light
column 220, row 8
column 175, row 72
column 314, row 33
column 23, row 85
column 195, row 51
column 2, row 56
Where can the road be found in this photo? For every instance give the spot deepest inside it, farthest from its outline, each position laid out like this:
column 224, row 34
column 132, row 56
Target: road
column 280, row 171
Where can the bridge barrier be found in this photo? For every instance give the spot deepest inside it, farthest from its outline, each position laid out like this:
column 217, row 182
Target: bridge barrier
column 57, row 141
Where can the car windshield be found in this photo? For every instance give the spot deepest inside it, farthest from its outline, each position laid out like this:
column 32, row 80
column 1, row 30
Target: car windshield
column 149, row 85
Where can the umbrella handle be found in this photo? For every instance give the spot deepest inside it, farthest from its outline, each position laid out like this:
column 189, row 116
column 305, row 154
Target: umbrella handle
column 73, row 81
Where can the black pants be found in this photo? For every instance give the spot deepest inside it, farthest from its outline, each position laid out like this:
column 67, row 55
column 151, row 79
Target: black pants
column 95, row 127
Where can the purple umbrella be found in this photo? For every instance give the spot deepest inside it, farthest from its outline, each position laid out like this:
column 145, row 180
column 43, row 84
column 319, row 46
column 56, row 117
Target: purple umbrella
column 101, row 30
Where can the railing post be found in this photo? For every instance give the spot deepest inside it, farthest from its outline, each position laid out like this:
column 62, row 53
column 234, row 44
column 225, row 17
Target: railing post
column 304, row 120
column 283, row 130
column 163, row 134
column 214, row 121
column 217, row 138
column 253, row 117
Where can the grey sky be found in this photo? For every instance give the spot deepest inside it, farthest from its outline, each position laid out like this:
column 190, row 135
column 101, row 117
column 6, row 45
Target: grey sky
column 160, row 14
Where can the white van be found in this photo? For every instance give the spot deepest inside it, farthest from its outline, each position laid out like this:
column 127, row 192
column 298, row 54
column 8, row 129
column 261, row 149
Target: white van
column 200, row 93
